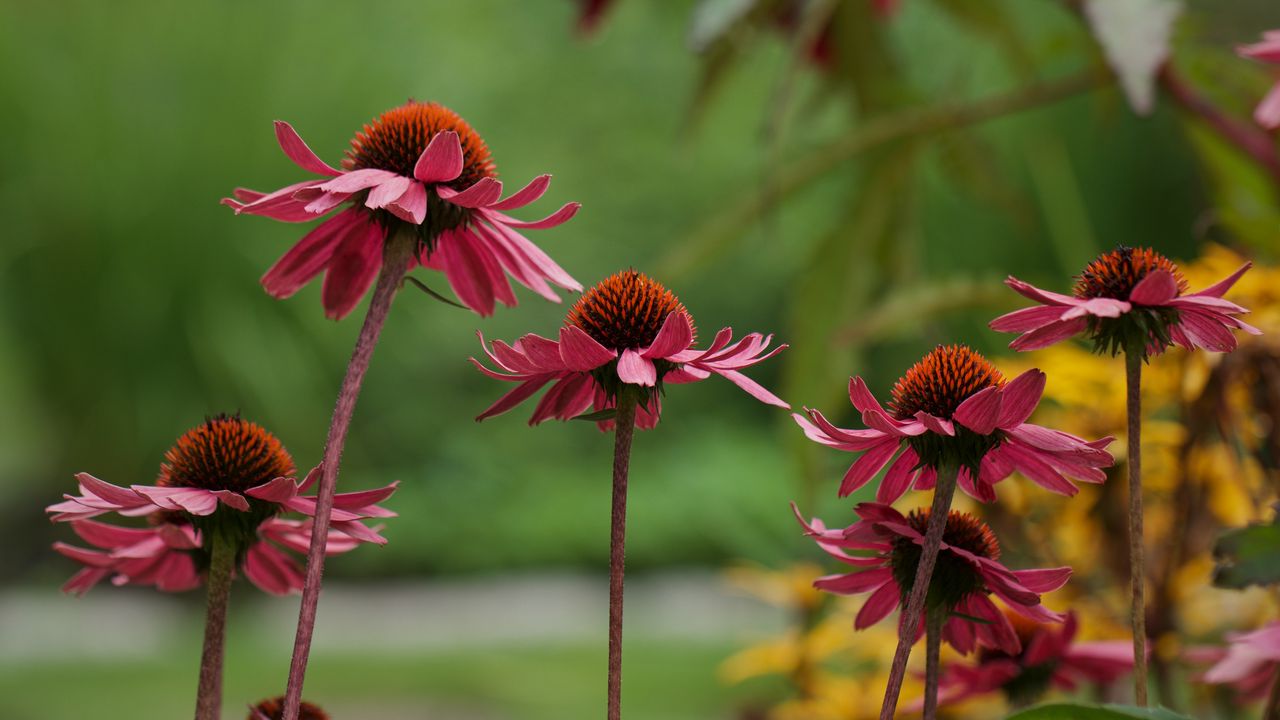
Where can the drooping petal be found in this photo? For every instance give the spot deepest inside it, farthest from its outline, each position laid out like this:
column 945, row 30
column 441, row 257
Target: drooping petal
column 411, row 206
column 352, row 270
column 878, row 606
column 559, row 217
column 388, row 191
column 482, row 193
column 580, row 351
column 635, row 369
column 980, row 412
column 1049, row 334
column 529, row 193
column 866, row 466
column 310, row 255
column 675, row 336
column 1021, row 395
column 516, row 396
column 1026, row 319
column 467, row 272
column 897, row 480
column 854, row 583
column 753, row 388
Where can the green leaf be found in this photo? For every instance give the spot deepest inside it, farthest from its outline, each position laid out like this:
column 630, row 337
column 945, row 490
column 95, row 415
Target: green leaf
column 1248, row 556
column 423, row 287
column 599, row 415
column 1072, row 711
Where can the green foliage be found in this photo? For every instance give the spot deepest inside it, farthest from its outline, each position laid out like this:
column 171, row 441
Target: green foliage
column 1248, row 556
column 1072, row 711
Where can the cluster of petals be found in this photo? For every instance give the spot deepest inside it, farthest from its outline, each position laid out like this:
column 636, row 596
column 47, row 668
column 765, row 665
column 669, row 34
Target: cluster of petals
column 1046, row 456
column 1267, row 113
column 348, row 246
column 975, row 620
column 1204, row 320
column 570, row 363
column 159, row 555
column 1249, row 662
column 1050, row 646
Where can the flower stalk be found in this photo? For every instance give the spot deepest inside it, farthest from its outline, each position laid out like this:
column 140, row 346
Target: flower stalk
column 624, row 429
column 943, row 492
column 1138, row 613
column 935, row 617
column 397, row 256
column 209, row 693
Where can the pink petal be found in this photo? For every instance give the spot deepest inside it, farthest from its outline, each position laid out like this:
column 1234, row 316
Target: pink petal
column 1021, row 396
column 580, row 351
column 1029, row 463
column 109, row 537
column 898, row 479
column 298, row 151
column 357, row 180
column 854, row 583
column 1026, row 319
column 278, row 205
column 753, row 388
column 521, row 246
column 935, row 424
column 1154, row 290
column 878, row 606
column 513, row 260
column 980, row 412
column 411, row 206
column 482, row 193
column 675, row 335
column 306, row 259
column 516, row 396
column 1267, row 114
column 1206, row 330
column 635, row 369
column 467, row 271
column 866, row 467
column 352, row 270
column 559, row 217
column 1221, row 287
column 387, row 192
column 279, row 491
column 271, row 570
column 1043, row 580
column 1049, row 334
column 526, row 195
column 114, row 494
column 1042, row 296
column 442, row 160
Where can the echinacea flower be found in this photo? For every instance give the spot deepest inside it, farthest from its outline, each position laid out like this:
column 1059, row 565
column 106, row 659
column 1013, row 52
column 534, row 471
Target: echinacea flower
column 227, row 476
column 1050, row 658
column 1129, row 298
column 628, row 331
column 421, row 170
column 1249, row 663
column 273, row 709
column 967, row 572
column 1267, row 113
column 955, row 407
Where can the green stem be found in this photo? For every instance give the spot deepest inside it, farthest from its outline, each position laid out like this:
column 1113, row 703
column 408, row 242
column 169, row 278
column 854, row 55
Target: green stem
column 934, row 619
column 624, row 428
column 1137, row 573
column 222, row 556
column 943, row 491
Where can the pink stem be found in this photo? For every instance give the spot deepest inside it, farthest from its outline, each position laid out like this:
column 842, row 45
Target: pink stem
column 1137, row 572
column 624, row 427
column 1253, row 142
column 934, row 620
column 222, row 557
column 943, row 491
column 395, row 263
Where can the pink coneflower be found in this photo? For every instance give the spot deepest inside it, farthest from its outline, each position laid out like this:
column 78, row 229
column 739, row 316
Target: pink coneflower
column 967, row 572
column 214, row 507
column 418, row 170
column 273, row 709
column 621, row 342
column 627, row 331
column 954, row 406
column 1267, row 113
column 1050, row 658
column 1131, row 301
column 1249, row 663
column 1129, row 298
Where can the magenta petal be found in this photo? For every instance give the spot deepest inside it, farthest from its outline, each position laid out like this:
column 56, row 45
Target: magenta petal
column 675, row 336
column 442, row 160
column 980, row 412
column 482, row 193
column 1206, row 330
column 114, row 494
column 898, row 479
column 1221, row 287
column 522, row 392
column 866, row 466
column 526, row 195
column 411, row 206
column 387, row 192
column 352, row 270
column 753, row 388
column 878, row 606
column 1021, row 395
column 1042, row 296
column 298, row 151
column 310, row 255
column 278, row 491
column 854, row 583
column 1043, row 580
column 635, row 369
column 468, row 271
column 1049, row 334
column 559, row 217
column 1156, row 289
column 1026, row 319
column 935, row 424
column 580, row 351
column 357, row 180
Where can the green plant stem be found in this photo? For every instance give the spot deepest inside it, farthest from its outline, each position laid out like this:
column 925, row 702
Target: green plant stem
column 624, row 428
column 715, row 234
column 935, row 617
column 943, row 491
column 222, row 558
column 1137, row 573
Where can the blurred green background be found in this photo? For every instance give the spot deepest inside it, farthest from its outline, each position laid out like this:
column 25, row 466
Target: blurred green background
column 130, row 307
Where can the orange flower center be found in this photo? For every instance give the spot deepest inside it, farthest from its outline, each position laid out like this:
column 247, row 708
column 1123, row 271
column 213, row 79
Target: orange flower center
column 225, row 453
column 1114, row 274
column 963, row 531
column 274, row 710
column 625, row 311
column 942, row 380
column 395, row 140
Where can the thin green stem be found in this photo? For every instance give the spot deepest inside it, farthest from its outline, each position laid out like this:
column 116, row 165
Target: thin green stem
column 1137, row 573
column 222, row 557
column 624, row 428
column 943, row 492
column 935, row 617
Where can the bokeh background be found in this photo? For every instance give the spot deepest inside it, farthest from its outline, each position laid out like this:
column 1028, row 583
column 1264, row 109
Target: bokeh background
column 849, row 200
